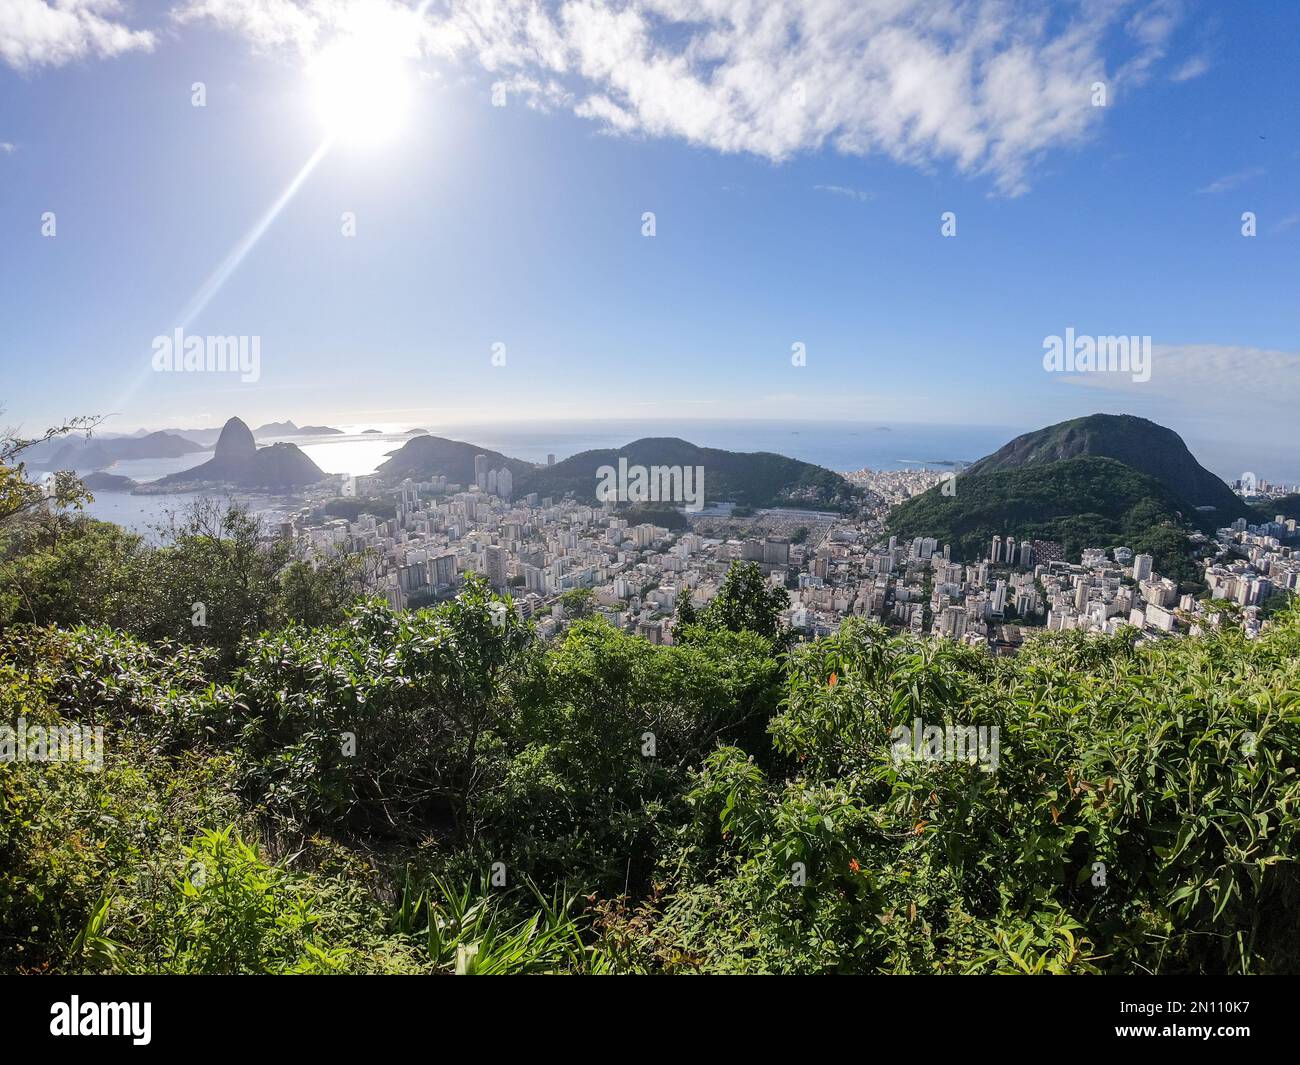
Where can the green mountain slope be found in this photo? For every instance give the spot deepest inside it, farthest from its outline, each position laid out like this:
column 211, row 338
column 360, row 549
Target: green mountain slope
column 1082, row 502
column 759, row 479
column 1143, row 445
column 1288, row 506
column 424, row 457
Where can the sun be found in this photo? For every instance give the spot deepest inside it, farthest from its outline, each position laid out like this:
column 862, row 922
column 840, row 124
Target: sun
column 361, row 91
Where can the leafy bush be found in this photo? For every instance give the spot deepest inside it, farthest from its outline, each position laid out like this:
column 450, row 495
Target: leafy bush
column 610, row 724
column 386, row 717
column 1141, row 817
column 215, row 581
column 230, row 912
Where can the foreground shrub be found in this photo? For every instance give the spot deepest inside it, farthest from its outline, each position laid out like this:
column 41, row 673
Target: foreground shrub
column 610, row 727
column 1142, row 816
column 385, row 718
column 708, row 807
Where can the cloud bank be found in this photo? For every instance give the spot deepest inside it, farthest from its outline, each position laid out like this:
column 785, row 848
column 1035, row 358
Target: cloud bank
column 35, row 33
column 988, row 87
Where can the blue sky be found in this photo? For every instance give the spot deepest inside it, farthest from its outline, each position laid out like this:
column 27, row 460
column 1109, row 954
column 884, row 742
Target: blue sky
column 797, row 158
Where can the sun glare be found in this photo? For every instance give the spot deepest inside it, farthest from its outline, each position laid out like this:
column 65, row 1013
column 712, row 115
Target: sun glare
column 361, row 91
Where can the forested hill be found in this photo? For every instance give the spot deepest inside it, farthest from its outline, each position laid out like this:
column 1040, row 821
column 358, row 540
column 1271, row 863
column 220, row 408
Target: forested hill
column 758, row 479
column 426, row 456
column 1081, row 502
column 1143, row 445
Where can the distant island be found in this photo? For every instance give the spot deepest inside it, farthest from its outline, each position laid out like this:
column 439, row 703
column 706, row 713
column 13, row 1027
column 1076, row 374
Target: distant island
column 97, row 454
column 108, row 482
column 287, row 428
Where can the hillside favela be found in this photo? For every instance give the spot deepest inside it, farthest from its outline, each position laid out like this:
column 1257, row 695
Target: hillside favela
column 512, row 488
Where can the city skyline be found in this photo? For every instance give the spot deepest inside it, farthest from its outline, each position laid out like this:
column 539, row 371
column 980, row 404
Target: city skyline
column 778, row 234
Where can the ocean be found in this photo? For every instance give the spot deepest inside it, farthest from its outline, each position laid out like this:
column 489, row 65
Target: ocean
column 840, row 446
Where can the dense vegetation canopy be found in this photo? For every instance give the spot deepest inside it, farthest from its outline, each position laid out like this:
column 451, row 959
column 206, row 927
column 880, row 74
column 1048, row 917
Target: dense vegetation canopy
column 353, row 789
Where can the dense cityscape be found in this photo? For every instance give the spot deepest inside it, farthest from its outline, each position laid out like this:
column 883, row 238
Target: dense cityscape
column 558, row 557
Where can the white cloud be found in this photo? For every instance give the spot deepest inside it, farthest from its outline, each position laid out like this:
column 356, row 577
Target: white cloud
column 987, row 86
column 1193, row 68
column 7, row 148
column 846, row 191
column 303, row 25
column 1220, row 378
column 1152, row 26
column 1232, row 181
column 37, row 33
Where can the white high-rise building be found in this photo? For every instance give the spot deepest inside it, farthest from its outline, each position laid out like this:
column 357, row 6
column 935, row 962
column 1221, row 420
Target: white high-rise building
column 1142, row 567
column 1000, row 597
